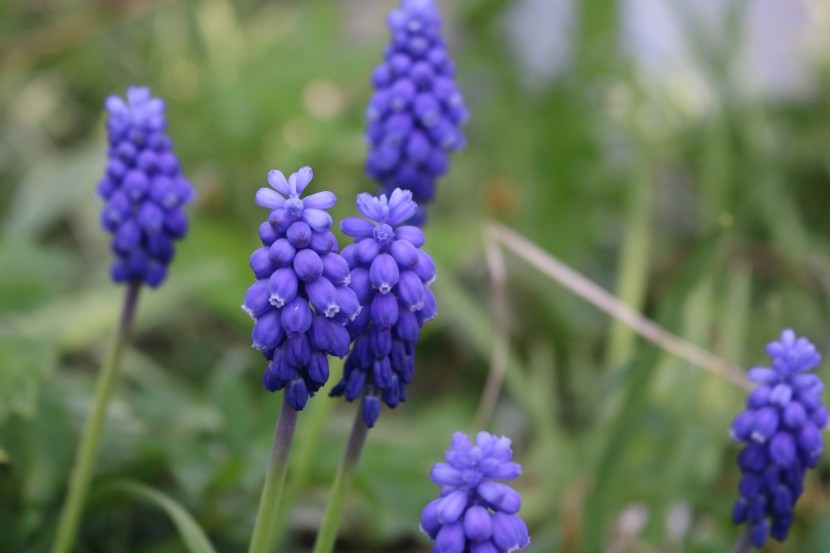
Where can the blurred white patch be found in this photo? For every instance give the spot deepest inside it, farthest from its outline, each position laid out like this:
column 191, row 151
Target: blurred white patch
column 776, row 54
column 632, row 520
column 678, row 521
column 766, row 46
column 655, row 32
column 540, row 36
column 629, row 523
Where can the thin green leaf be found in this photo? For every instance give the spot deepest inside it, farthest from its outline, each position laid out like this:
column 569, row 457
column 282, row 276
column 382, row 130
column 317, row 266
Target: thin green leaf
column 191, row 533
column 628, row 422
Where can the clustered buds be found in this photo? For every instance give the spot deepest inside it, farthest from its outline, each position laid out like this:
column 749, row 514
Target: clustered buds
column 143, row 187
column 301, row 298
column 475, row 514
column 781, row 432
column 415, row 114
column 390, row 275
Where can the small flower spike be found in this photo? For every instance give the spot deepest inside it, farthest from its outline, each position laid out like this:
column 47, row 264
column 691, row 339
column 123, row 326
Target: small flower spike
column 475, row 514
column 414, row 117
column 301, row 298
column 781, row 429
column 390, row 276
column 143, row 188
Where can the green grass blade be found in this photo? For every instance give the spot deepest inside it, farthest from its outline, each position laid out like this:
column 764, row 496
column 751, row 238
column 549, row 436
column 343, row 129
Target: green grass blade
column 191, row 533
column 626, row 424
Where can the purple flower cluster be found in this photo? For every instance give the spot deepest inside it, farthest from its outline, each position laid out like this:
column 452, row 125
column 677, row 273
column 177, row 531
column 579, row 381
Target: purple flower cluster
column 143, row 188
column 415, row 115
column 475, row 514
column 301, row 298
column 391, row 276
column 781, row 432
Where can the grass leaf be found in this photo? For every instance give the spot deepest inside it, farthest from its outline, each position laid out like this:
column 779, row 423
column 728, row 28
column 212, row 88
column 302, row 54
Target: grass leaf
column 191, row 533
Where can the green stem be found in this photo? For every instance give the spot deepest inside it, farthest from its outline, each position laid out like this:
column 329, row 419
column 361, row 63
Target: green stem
column 342, row 482
column 633, row 275
column 90, row 440
column 263, row 536
column 307, row 449
column 743, row 544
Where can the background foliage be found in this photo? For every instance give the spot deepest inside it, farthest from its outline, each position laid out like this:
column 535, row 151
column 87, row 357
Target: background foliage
column 695, row 199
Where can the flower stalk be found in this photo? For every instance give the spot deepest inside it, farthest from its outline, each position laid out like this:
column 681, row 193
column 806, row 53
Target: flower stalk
column 305, row 454
column 300, row 303
column 342, row 483
column 743, row 545
column 264, row 527
column 90, row 440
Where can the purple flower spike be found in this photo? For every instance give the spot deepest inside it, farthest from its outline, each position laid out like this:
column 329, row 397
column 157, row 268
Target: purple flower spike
column 295, row 298
column 780, row 429
column 395, row 298
column 415, row 116
column 474, row 513
column 143, row 187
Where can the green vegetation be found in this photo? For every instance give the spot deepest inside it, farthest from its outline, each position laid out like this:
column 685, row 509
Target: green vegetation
column 710, row 221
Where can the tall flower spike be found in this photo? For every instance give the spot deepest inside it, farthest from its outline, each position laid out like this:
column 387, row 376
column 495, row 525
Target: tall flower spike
column 301, row 299
column 143, row 188
column 415, row 115
column 781, row 432
column 475, row 514
column 390, row 276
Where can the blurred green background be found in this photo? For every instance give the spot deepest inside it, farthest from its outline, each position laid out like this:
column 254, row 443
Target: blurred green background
column 675, row 152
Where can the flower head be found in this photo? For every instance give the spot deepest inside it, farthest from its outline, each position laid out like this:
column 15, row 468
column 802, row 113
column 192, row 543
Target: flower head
column 781, row 432
column 143, row 188
column 301, row 298
column 390, row 275
column 414, row 117
column 475, row 514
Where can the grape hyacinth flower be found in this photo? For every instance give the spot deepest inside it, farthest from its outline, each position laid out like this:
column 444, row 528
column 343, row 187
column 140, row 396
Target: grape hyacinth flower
column 145, row 192
column 415, row 115
column 143, row 187
column 301, row 298
column 781, row 432
column 391, row 276
column 475, row 514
